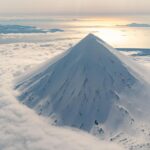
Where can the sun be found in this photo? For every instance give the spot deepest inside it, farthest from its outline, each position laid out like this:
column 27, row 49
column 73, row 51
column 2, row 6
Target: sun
column 111, row 35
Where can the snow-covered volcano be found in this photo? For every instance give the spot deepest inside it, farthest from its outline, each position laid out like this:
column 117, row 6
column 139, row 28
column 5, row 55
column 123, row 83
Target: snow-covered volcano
column 82, row 87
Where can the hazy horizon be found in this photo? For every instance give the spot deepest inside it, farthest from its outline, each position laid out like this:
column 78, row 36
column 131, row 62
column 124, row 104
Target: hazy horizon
column 78, row 7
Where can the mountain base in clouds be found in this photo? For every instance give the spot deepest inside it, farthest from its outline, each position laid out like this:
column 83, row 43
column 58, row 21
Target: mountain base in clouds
column 19, row 125
column 85, row 87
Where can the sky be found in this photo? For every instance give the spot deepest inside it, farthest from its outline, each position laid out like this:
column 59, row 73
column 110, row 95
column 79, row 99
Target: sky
column 75, row 6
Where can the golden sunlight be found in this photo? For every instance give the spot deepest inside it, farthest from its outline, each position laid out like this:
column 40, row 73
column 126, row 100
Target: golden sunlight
column 111, row 35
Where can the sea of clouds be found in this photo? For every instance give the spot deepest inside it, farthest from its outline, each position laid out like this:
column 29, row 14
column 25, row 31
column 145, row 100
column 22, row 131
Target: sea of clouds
column 20, row 127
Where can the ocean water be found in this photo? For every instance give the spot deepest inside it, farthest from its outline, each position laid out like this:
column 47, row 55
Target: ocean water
column 115, row 30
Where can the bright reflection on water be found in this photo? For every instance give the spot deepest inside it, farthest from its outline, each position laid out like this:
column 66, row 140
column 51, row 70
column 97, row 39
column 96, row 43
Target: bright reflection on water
column 75, row 28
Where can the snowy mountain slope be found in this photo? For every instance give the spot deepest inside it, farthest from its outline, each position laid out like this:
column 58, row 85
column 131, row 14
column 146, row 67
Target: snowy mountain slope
column 22, row 129
column 82, row 89
column 137, row 141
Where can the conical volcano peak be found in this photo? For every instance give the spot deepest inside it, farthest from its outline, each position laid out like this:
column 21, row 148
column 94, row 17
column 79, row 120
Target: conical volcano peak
column 81, row 87
column 90, row 48
column 91, row 37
